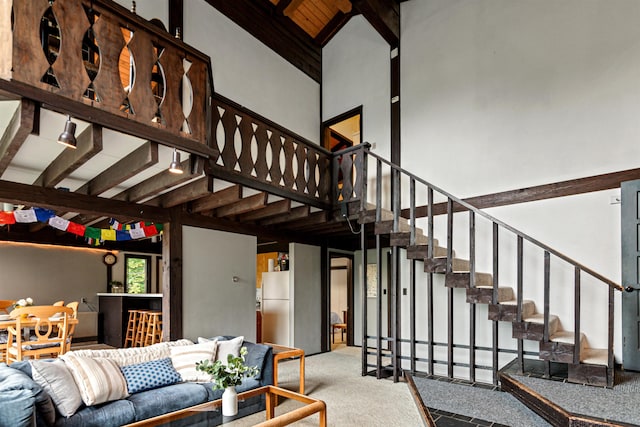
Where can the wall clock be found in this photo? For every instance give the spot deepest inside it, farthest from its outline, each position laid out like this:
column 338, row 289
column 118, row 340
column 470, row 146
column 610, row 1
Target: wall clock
column 109, row 258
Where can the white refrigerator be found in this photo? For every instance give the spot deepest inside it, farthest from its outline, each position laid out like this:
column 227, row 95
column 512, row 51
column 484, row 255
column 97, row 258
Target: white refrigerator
column 276, row 308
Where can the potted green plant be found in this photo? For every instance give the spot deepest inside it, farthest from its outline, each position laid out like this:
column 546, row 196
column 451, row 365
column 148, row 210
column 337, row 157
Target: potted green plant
column 227, row 376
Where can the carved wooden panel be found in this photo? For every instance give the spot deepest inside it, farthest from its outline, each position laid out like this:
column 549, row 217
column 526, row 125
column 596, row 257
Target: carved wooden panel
column 68, row 67
column 171, row 107
column 29, row 61
column 107, row 82
column 73, row 48
column 259, row 151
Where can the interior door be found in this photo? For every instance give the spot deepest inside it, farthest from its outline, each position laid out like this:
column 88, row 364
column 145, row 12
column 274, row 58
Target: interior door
column 630, row 227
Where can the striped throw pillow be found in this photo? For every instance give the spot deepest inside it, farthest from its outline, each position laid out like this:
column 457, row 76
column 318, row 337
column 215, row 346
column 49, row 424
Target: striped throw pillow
column 99, row 380
column 184, row 359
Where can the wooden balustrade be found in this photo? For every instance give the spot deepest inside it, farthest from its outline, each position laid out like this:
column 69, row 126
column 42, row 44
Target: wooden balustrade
column 98, row 54
column 260, row 154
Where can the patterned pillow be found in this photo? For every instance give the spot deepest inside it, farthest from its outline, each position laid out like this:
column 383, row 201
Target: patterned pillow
column 148, row 375
column 99, row 380
column 184, row 359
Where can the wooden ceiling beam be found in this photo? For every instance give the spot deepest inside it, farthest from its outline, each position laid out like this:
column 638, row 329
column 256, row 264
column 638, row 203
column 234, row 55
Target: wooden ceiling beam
column 51, row 198
column 384, row 16
column 291, row 7
column 248, row 204
column 331, row 29
column 201, row 187
column 316, row 218
column 219, row 198
column 89, row 143
column 22, row 124
column 272, row 209
column 132, row 164
column 261, row 19
column 159, row 183
column 295, row 213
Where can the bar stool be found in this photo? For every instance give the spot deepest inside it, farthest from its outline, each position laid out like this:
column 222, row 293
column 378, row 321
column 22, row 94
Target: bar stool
column 154, row 328
column 141, row 328
column 132, row 327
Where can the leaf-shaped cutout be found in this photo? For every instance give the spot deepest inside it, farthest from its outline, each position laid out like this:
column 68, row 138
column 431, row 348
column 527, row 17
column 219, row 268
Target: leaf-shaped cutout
column 50, row 35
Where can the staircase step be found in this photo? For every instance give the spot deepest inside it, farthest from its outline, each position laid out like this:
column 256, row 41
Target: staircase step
column 484, row 294
column 507, row 311
column 403, row 239
column 420, row 251
column 439, row 265
column 369, row 215
column 532, row 327
column 590, row 374
column 462, row 279
column 386, row 226
column 594, row 356
column 560, row 347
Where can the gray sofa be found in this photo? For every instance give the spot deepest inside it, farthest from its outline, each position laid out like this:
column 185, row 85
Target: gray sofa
column 24, row 403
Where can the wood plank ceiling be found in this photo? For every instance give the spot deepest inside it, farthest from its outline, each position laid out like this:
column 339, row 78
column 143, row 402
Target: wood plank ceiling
column 298, row 29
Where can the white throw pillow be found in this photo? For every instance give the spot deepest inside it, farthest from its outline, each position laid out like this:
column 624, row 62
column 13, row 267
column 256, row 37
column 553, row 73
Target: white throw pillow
column 184, row 359
column 99, row 380
column 55, row 378
column 231, row 346
column 134, row 355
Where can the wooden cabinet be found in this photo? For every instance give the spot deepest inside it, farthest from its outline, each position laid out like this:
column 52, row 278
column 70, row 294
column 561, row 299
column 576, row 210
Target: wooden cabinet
column 262, row 265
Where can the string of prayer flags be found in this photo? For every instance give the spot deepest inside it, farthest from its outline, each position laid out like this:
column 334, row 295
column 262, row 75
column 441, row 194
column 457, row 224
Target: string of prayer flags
column 116, row 231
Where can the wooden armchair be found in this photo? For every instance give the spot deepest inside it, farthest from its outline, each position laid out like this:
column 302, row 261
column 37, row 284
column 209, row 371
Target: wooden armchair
column 49, row 326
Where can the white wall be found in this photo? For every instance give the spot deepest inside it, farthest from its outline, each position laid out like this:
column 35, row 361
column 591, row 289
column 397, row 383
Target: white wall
column 149, row 9
column 356, row 71
column 51, row 273
column 307, row 316
column 212, row 303
column 522, row 93
column 249, row 73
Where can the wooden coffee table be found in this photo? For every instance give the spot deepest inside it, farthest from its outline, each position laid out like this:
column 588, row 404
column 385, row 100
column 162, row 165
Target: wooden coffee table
column 281, row 352
column 311, row 406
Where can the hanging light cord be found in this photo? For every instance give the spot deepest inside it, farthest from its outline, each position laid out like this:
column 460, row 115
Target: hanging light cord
column 351, row 227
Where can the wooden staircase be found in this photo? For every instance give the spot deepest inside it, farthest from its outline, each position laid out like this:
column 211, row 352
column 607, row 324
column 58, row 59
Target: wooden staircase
column 527, row 323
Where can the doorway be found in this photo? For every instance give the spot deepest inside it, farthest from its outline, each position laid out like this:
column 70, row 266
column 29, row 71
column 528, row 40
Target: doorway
column 340, row 300
column 343, row 131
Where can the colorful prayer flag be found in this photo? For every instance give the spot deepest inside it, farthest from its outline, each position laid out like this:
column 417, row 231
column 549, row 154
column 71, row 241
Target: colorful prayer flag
column 77, row 229
column 107, row 234
column 25, row 215
column 59, row 223
column 137, row 233
column 7, row 218
column 92, row 232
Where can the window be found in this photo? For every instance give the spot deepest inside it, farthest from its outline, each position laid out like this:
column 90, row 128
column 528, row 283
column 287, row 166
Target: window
column 137, row 273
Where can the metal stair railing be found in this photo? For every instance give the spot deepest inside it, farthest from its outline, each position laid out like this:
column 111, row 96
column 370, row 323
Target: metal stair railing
column 350, row 185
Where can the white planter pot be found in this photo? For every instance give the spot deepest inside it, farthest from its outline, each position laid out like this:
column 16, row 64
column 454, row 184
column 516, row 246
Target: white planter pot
column 229, row 401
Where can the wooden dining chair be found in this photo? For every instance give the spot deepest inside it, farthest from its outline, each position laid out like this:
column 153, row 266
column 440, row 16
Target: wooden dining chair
column 4, row 335
column 58, row 303
column 72, row 327
column 44, row 339
column 5, row 304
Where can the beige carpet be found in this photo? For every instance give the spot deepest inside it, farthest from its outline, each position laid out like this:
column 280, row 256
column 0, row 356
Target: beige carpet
column 352, row 400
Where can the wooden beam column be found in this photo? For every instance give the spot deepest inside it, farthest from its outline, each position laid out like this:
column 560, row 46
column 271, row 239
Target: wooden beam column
column 172, row 277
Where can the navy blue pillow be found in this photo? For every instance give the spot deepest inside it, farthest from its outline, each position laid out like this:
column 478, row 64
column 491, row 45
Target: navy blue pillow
column 148, row 375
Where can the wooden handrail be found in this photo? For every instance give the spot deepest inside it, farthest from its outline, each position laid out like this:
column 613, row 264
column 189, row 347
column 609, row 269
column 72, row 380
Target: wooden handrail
column 365, row 148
